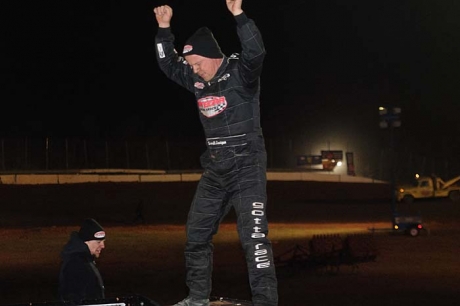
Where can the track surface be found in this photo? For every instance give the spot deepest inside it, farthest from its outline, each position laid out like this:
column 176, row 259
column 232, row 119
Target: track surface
column 409, row 271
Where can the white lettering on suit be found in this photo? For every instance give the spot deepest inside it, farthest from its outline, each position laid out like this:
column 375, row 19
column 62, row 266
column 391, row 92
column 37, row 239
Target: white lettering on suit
column 260, row 253
column 161, row 52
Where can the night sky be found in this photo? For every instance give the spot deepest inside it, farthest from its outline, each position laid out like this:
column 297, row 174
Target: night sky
column 87, row 68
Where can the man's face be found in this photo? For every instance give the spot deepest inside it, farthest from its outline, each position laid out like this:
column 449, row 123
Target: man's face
column 205, row 67
column 95, row 247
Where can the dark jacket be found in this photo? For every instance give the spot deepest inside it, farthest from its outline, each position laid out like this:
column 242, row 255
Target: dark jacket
column 229, row 103
column 79, row 278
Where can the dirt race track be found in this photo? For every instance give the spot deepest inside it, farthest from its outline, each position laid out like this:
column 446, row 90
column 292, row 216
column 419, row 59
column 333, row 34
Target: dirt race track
column 417, row 271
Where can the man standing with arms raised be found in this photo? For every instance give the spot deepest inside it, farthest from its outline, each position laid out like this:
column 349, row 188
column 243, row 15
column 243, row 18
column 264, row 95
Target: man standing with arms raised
column 227, row 91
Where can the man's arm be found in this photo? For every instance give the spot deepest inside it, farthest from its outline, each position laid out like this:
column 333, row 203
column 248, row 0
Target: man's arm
column 253, row 49
column 168, row 60
column 76, row 279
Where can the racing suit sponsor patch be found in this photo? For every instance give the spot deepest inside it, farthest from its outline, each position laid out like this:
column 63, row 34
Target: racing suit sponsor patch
column 216, row 143
column 199, row 85
column 224, row 77
column 212, row 106
column 161, row 52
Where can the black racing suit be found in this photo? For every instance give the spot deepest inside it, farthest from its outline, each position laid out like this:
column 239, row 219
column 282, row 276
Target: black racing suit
column 234, row 162
column 79, row 278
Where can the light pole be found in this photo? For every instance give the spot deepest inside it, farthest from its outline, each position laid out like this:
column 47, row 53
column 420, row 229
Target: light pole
column 390, row 118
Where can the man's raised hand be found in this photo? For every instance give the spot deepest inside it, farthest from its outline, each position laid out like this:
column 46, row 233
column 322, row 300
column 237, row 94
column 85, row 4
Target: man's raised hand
column 234, row 6
column 163, row 14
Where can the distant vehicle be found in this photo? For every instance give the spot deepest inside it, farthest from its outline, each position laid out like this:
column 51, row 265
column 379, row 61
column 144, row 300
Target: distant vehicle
column 409, row 224
column 404, row 223
column 428, row 187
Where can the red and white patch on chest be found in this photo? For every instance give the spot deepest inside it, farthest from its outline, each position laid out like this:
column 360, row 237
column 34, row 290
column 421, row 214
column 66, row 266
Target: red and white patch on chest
column 212, row 106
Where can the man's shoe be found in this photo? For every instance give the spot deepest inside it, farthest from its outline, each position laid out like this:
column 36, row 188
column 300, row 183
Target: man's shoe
column 189, row 301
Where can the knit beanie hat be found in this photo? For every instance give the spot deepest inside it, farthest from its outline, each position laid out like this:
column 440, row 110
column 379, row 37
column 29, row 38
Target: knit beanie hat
column 203, row 43
column 91, row 230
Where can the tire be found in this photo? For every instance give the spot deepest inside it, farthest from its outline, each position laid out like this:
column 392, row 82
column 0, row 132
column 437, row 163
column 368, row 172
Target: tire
column 408, row 199
column 454, row 196
column 414, row 231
